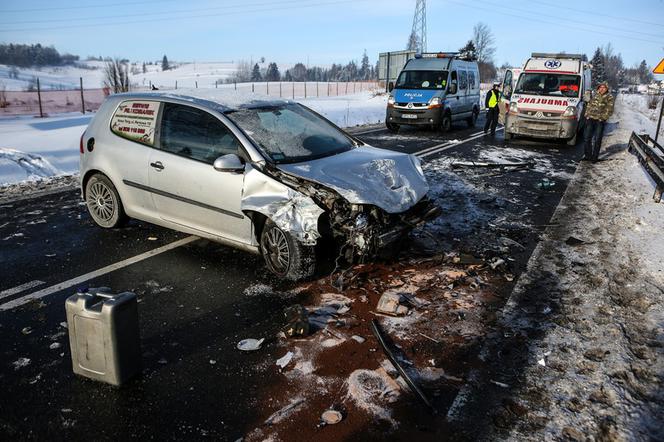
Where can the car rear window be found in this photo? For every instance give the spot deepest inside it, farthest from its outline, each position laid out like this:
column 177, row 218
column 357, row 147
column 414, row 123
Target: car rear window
column 136, row 120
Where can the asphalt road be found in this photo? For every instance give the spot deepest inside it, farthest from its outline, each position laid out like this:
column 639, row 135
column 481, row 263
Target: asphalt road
column 193, row 306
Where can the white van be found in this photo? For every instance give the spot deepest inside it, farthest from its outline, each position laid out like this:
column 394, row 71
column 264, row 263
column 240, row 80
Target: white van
column 547, row 100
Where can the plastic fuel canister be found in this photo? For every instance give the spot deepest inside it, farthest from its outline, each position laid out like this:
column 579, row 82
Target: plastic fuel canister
column 104, row 335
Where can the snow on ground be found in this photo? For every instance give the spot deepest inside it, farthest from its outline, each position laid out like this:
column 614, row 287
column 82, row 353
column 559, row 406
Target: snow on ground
column 54, row 77
column 588, row 312
column 33, row 148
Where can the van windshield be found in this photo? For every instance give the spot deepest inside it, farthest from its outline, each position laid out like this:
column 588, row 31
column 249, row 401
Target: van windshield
column 548, row 84
column 422, row 80
column 290, row 133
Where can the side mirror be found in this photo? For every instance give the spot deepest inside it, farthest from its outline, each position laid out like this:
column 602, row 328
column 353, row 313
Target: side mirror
column 390, row 86
column 228, row 163
column 453, row 88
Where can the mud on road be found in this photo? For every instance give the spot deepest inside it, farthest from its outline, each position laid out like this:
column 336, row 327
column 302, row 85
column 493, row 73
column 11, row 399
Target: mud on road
column 198, row 301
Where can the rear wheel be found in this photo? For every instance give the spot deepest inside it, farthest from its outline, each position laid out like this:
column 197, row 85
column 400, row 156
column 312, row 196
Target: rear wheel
column 446, row 123
column 472, row 120
column 284, row 256
column 394, row 128
column 103, row 202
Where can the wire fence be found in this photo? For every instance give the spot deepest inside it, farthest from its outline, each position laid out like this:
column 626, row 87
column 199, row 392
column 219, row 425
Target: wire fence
column 47, row 102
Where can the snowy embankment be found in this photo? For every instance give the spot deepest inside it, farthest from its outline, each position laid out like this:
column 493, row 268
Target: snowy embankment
column 33, row 148
column 582, row 357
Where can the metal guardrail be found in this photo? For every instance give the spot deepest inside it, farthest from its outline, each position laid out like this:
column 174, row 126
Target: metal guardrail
column 651, row 156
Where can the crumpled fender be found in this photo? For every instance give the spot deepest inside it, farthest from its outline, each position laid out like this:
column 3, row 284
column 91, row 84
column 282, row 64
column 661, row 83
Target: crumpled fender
column 290, row 210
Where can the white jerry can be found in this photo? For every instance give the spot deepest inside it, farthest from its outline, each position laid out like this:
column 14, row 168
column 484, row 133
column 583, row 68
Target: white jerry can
column 103, row 335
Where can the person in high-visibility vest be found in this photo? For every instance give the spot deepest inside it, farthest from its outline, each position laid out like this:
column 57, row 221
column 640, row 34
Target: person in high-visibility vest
column 491, row 104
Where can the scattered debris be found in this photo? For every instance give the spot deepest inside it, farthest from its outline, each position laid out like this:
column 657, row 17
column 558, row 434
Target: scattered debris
column 152, row 238
column 389, row 304
column 213, row 362
column 26, row 330
column 500, row 384
column 250, row 344
column 331, row 417
column 415, row 389
column 297, row 321
column 520, row 166
column 573, row 241
column 429, row 338
column 278, row 415
column 546, row 184
column 357, row 338
column 21, row 363
column 372, row 390
column 55, row 346
column 283, row 361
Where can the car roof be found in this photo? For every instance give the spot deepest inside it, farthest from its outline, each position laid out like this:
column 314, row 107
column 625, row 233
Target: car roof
column 221, row 100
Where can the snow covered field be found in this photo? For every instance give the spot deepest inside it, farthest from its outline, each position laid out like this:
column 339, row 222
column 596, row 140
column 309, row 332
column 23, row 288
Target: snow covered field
column 33, row 148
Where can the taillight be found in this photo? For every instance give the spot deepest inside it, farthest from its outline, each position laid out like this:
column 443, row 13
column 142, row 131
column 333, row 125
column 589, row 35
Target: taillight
column 81, row 144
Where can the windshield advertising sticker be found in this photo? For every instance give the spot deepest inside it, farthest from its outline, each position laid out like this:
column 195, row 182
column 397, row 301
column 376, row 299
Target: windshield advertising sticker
column 136, row 120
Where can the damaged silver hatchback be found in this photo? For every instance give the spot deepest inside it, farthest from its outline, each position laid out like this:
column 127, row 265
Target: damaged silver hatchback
column 268, row 176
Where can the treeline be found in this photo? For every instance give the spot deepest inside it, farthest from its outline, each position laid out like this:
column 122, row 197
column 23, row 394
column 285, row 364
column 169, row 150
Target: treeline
column 608, row 66
column 352, row 71
column 33, row 55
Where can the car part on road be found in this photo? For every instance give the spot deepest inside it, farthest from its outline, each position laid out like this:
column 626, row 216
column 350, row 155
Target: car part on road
column 283, row 361
column 522, row 165
column 331, row 417
column 297, row 319
column 375, row 327
column 389, row 304
column 104, row 335
column 651, row 156
column 250, row 344
column 103, row 202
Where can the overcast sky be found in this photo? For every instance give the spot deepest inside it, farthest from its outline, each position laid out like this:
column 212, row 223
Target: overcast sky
column 326, row 31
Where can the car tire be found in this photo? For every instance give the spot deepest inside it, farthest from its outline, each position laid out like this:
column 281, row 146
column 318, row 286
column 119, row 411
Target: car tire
column 446, row 123
column 103, row 202
column 472, row 120
column 284, row 256
column 392, row 127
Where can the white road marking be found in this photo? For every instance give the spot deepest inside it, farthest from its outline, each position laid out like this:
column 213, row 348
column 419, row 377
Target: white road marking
column 94, row 274
column 20, row 288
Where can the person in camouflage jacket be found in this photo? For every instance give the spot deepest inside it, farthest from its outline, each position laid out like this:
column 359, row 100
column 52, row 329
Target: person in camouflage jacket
column 598, row 110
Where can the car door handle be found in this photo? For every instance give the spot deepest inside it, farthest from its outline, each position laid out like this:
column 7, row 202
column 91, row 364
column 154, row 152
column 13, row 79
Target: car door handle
column 157, row 165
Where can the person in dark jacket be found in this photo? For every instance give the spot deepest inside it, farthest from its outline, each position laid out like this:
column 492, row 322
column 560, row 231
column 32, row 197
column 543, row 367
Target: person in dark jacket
column 491, row 104
column 598, row 110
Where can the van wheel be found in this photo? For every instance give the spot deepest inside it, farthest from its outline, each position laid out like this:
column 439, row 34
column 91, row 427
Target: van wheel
column 472, row 119
column 446, row 123
column 284, row 256
column 103, row 202
column 394, row 128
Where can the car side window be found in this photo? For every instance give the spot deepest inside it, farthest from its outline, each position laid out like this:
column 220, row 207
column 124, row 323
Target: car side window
column 453, row 80
column 194, row 133
column 463, row 80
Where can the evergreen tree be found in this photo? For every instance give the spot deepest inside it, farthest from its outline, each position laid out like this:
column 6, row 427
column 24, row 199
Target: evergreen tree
column 365, row 68
column 272, row 73
column 645, row 75
column 468, row 52
column 598, row 69
column 256, row 73
column 164, row 64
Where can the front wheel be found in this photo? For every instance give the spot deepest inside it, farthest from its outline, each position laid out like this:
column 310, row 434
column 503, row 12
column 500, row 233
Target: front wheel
column 284, row 256
column 103, row 202
column 446, row 123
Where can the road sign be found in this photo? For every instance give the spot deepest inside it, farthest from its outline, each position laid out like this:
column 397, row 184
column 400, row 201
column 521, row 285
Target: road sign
column 659, row 69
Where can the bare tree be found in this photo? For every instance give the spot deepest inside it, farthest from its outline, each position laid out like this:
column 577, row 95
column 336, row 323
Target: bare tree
column 484, row 42
column 116, row 76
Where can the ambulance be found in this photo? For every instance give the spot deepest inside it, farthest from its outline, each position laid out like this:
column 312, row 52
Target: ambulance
column 547, row 99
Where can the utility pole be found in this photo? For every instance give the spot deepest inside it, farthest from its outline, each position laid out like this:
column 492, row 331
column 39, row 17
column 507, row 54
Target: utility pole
column 418, row 35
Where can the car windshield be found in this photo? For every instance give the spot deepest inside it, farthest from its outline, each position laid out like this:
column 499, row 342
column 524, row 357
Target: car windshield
column 290, row 133
column 548, row 84
column 422, row 80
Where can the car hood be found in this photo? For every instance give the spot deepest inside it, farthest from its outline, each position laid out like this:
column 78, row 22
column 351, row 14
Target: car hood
column 367, row 175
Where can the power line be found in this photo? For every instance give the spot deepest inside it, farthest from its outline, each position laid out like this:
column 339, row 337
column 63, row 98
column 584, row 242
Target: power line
column 585, row 11
column 493, row 10
column 152, row 20
column 175, row 11
column 105, row 5
column 567, row 19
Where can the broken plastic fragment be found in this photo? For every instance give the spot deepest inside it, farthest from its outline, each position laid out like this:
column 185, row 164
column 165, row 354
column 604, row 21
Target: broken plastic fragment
column 331, row 417
column 250, row 344
column 357, row 338
column 285, row 359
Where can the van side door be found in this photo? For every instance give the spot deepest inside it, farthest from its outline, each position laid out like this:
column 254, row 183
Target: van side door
column 464, row 107
column 453, row 93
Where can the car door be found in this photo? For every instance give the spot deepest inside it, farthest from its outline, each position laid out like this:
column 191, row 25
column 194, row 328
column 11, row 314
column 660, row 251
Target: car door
column 186, row 189
column 503, row 104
